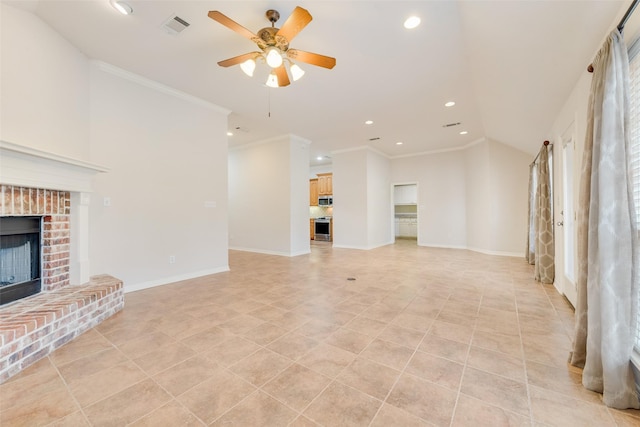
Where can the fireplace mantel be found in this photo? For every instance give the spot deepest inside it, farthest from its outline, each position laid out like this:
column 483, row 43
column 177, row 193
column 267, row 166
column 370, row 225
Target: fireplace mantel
column 27, row 167
column 30, row 167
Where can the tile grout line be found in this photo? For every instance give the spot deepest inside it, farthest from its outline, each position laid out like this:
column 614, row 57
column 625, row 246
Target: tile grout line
column 404, row 368
column 466, row 359
column 68, row 389
column 524, row 360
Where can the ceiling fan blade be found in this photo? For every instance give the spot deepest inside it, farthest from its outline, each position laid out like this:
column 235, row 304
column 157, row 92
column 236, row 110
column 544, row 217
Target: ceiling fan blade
column 312, row 58
column 231, row 24
column 298, row 19
column 238, row 59
column 283, row 77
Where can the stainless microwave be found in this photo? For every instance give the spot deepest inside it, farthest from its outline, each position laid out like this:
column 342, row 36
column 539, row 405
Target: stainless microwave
column 325, row 201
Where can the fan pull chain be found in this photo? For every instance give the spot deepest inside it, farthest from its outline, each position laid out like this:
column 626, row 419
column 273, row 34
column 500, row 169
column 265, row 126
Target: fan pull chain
column 269, row 101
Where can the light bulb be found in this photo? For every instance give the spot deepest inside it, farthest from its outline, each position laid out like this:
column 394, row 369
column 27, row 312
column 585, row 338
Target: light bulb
column 296, row 72
column 274, row 57
column 272, row 80
column 248, row 66
column 412, row 22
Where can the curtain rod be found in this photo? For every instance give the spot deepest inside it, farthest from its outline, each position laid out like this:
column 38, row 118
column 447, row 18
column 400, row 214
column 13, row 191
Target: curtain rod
column 623, row 21
column 538, row 155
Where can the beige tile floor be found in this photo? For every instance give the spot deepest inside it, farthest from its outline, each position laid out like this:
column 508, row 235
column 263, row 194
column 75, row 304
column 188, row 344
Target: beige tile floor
column 422, row 337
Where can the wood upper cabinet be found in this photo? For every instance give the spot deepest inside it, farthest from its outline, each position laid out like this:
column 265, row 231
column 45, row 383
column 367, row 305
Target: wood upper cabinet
column 325, row 184
column 313, row 192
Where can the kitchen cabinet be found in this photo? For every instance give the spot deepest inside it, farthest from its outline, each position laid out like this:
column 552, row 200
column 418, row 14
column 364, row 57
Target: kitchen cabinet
column 313, row 192
column 406, row 227
column 312, row 227
column 325, row 184
column 405, row 194
column 331, row 231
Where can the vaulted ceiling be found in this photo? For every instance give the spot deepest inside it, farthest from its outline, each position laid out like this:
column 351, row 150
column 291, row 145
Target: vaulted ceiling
column 508, row 65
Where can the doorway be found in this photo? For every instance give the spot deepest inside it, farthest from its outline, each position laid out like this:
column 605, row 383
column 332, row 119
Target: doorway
column 565, row 217
column 405, row 212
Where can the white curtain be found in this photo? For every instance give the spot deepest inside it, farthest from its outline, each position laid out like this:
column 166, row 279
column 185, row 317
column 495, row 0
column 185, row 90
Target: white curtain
column 544, row 256
column 607, row 271
column 530, row 250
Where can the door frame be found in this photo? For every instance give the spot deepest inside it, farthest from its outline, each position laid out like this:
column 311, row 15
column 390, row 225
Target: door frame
column 564, row 284
column 392, row 204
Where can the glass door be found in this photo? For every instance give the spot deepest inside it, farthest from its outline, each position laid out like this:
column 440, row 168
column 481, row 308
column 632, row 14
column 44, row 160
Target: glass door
column 566, row 230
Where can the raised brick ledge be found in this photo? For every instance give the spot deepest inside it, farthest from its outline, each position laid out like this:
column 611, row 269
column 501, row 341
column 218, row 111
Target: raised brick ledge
column 32, row 328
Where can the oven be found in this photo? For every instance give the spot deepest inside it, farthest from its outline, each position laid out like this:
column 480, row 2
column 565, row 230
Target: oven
column 322, row 230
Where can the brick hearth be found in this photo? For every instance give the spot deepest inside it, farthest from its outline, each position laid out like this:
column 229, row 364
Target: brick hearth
column 33, row 327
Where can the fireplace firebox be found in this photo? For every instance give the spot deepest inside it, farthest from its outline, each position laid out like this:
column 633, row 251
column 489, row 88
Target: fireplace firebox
column 20, row 262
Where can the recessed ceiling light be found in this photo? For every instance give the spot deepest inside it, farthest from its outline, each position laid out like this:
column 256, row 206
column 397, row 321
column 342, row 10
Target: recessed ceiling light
column 399, row 143
column 368, row 122
column 450, row 104
column 411, row 22
column 229, row 133
column 464, row 132
column 122, row 7
column 319, row 158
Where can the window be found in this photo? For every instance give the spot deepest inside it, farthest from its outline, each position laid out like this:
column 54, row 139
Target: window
column 634, row 122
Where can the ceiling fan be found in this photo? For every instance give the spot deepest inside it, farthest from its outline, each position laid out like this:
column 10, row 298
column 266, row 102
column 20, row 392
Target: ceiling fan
column 274, row 47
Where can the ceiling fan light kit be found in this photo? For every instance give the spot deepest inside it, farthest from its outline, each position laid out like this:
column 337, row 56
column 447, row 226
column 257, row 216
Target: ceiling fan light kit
column 274, row 57
column 296, row 71
column 248, row 67
column 274, row 47
column 272, row 80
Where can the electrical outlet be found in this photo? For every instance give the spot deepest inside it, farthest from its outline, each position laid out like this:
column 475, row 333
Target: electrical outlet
column 172, row 259
column 107, row 201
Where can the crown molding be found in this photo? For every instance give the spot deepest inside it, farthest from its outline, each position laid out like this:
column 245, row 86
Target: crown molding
column 158, row 87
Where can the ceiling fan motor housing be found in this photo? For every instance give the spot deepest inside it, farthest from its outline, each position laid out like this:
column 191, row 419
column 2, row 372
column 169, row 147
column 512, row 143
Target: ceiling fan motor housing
column 267, row 37
column 272, row 16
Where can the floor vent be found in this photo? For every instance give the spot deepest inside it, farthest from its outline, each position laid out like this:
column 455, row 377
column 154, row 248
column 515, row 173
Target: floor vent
column 175, row 25
column 448, row 125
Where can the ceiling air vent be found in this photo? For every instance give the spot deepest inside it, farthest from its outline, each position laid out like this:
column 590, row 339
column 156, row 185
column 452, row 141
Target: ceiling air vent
column 374, row 138
column 175, row 25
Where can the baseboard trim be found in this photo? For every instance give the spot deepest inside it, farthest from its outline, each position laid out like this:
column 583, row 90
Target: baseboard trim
column 172, row 279
column 635, row 366
column 266, row 252
column 364, row 248
column 498, row 253
column 482, row 251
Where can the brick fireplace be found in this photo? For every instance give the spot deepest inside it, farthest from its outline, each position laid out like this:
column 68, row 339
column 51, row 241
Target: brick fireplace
column 57, row 189
column 54, row 207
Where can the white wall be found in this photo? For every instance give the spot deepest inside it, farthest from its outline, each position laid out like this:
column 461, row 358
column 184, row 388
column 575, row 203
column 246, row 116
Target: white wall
column 509, row 189
column 168, row 156
column 315, row 170
column 474, row 198
column 269, row 197
column 379, row 194
column 350, row 190
column 361, row 199
column 478, row 197
column 44, row 87
column 441, row 196
column 497, row 179
column 299, row 196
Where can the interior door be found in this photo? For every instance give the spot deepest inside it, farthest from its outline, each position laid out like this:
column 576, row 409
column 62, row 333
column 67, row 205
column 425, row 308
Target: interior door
column 565, row 217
